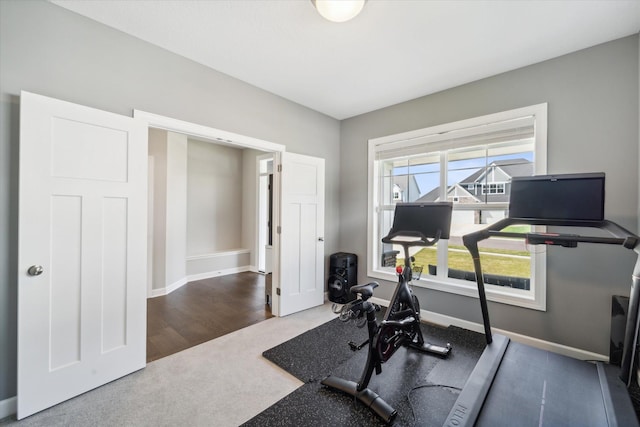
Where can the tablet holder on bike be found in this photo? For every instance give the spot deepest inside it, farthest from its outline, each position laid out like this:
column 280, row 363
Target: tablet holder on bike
column 415, row 224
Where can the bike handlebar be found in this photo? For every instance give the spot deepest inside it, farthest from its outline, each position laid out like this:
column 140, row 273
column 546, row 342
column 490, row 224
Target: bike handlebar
column 424, row 240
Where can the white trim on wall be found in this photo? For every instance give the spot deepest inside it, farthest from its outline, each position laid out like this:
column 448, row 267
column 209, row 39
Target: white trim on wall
column 218, row 263
column 200, row 276
column 167, row 290
column 8, row 407
column 260, row 252
column 218, row 273
column 205, row 132
column 150, row 221
column 220, row 254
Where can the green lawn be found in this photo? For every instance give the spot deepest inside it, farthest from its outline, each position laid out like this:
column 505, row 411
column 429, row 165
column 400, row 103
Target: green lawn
column 460, row 259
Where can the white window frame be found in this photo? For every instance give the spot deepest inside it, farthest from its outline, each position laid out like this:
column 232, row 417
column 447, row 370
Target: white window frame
column 534, row 298
column 499, row 186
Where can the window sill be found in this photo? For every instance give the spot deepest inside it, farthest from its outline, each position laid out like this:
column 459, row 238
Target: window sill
column 510, row 296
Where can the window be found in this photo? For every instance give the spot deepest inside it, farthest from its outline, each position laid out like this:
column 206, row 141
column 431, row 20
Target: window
column 493, row 188
column 397, row 193
column 469, row 163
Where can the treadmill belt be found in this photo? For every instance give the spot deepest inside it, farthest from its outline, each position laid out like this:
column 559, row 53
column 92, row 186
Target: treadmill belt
column 538, row 388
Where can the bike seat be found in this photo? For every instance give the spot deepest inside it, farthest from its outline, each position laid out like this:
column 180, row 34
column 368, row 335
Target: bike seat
column 365, row 290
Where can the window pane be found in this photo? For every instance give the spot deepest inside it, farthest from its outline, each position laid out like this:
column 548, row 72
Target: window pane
column 465, row 175
column 424, row 261
column 507, row 261
column 388, row 254
column 481, row 175
column 426, row 174
column 393, row 189
column 410, row 179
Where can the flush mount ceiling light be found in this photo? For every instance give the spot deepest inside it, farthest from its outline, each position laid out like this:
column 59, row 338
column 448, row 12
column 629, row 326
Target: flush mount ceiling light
column 338, row 10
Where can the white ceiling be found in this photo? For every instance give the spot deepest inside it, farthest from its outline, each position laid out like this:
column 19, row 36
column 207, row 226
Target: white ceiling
column 394, row 51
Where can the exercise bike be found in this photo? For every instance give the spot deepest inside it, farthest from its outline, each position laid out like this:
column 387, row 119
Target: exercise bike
column 425, row 224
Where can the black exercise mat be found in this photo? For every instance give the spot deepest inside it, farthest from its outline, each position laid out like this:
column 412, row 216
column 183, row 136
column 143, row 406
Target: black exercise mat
column 421, row 387
column 313, row 354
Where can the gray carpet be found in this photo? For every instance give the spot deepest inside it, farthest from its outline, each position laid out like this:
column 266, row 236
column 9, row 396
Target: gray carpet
column 421, row 387
column 221, row 383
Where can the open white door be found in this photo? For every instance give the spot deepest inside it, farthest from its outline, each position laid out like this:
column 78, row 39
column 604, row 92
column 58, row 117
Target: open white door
column 82, row 250
column 301, row 260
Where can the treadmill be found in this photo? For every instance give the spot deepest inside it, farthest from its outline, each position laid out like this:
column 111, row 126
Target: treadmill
column 515, row 384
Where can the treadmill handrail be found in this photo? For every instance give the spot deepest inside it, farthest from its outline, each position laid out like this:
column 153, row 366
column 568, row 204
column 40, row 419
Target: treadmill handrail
column 622, row 237
column 566, row 238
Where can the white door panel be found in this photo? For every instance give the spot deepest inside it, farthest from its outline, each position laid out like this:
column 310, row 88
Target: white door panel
column 302, row 233
column 82, row 217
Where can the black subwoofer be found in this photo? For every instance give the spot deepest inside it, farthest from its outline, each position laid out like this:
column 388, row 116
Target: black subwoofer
column 343, row 274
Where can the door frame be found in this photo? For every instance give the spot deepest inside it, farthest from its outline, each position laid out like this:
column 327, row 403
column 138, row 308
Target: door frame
column 228, row 138
column 263, row 209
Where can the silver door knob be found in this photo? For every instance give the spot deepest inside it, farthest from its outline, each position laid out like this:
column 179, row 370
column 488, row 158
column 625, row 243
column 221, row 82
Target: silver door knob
column 35, row 270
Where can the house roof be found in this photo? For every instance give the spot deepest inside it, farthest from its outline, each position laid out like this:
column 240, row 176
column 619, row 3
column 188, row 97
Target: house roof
column 511, row 168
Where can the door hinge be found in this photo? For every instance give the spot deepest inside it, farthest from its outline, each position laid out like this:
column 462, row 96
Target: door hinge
column 277, row 291
column 279, row 230
column 279, row 168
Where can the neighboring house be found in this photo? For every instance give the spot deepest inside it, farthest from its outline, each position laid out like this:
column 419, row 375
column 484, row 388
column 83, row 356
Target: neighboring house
column 486, row 185
column 402, row 183
column 491, row 184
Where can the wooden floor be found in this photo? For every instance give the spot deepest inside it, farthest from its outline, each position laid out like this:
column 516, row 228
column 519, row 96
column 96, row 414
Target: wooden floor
column 203, row 310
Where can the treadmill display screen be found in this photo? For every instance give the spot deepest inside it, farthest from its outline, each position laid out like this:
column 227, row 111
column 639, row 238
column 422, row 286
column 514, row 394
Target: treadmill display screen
column 426, row 218
column 573, row 197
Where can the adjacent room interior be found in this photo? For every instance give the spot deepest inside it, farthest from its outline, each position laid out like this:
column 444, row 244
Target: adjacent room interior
column 203, row 234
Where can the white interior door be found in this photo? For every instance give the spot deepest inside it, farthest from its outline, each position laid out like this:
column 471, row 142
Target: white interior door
column 82, row 250
column 301, row 260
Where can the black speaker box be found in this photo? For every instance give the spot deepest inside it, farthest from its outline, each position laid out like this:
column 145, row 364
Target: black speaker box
column 343, row 274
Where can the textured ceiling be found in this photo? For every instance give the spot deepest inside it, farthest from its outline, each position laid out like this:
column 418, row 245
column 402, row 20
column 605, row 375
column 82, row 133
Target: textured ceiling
column 394, row 51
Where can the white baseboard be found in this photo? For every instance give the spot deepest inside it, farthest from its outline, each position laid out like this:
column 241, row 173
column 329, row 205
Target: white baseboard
column 176, row 285
column 8, row 407
column 172, row 287
column 210, row 274
column 443, row 320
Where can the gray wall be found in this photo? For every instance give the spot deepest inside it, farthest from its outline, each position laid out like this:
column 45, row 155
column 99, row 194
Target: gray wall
column 51, row 51
column 214, row 198
column 592, row 98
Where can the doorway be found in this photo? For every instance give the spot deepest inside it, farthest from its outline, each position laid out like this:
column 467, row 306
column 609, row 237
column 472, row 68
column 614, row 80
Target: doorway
column 220, row 267
column 298, row 202
column 265, row 213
